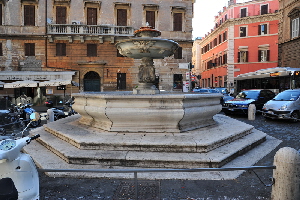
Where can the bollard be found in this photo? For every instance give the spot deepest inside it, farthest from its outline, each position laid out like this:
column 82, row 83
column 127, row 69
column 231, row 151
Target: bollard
column 251, row 112
column 286, row 175
column 50, row 114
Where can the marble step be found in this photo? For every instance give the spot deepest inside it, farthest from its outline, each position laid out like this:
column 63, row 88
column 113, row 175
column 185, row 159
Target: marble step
column 150, row 159
column 201, row 140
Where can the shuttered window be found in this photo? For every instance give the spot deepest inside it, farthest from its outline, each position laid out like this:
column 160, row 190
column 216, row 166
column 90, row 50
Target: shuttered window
column 29, row 15
column 264, row 9
column 92, row 50
column 295, row 27
column 178, row 53
column 263, row 55
column 121, row 17
column 150, row 18
column 61, row 15
column 244, row 12
column 177, row 22
column 29, row 49
column 91, row 16
column 243, row 31
column 242, row 56
column 262, row 29
column 61, row 49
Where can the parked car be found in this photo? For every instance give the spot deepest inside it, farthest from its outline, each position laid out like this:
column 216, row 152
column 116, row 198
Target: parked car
column 285, row 105
column 49, row 103
column 205, row 90
column 241, row 102
column 226, row 95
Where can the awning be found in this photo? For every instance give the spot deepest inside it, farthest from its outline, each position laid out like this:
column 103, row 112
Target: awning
column 56, row 82
column 19, row 84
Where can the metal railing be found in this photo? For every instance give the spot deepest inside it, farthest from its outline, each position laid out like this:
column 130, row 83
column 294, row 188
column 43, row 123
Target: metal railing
column 136, row 171
column 80, row 29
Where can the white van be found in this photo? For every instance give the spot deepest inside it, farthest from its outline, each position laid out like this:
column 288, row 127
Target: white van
column 285, row 105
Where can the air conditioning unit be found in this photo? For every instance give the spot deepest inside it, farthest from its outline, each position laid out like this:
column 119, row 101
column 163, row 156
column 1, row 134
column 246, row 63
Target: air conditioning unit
column 76, row 22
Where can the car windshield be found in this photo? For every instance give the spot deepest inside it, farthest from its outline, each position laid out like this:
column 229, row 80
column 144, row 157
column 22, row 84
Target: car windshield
column 248, row 95
column 287, row 96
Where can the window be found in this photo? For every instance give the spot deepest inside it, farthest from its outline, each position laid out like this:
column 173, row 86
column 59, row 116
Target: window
column 0, row 14
column 29, row 49
column 61, row 49
column 225, row 36
column 150, row 18
column 225, row 59
column 92, row 50
column 178, row 53
column 244, row 12
column 61, row 15
column 262, row 29
column 242, row 56
column 226, row 17
column 29, row 15
column 243, row 31
column 121, row 17
column 1, row 50
column 220, row 38
column 177, row 22
column 295, row 28
column 263, row 55
column 91, row 16
column 264, row 9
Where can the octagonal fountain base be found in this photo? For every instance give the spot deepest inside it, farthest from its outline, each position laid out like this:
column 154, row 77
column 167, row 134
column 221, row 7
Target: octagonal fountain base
column 126, row 112
column 148, row 131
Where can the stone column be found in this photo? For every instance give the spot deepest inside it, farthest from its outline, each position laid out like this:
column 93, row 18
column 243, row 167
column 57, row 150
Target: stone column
column 286, row 175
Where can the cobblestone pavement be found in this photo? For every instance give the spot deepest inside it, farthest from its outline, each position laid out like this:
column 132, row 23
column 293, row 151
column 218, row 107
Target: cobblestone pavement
column 247, row 187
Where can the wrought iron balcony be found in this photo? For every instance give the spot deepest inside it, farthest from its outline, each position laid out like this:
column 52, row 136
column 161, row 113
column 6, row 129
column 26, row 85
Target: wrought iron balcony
column 80, row 29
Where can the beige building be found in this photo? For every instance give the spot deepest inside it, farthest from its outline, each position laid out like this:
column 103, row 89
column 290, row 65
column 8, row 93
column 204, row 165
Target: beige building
column 80, row 36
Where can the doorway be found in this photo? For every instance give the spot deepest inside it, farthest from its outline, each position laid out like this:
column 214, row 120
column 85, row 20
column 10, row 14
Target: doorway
column 91, row 82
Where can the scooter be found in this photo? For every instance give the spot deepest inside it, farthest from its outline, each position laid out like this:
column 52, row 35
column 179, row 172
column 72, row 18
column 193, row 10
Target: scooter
column 18, row 173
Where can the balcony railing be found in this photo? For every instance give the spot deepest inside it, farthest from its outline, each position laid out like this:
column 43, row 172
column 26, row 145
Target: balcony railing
column 75, row 29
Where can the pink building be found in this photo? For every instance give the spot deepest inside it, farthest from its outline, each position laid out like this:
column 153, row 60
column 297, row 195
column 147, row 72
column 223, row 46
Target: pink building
column 244, row 39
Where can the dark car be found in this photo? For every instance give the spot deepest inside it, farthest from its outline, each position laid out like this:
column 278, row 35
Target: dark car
column 242, row 101
column 226, row 96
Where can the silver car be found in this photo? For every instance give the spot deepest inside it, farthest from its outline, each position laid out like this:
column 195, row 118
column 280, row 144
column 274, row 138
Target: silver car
column 286, row 105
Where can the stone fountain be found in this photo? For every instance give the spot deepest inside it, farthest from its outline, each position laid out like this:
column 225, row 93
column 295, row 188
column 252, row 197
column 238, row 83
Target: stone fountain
column 148, row 129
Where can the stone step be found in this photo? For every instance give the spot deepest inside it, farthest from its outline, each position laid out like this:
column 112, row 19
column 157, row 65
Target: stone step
column 129, row 158
column 201, row 140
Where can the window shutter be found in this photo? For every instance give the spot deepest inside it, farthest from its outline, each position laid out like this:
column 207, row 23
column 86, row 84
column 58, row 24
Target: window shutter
column 259, row 29
column 239, row 56
column 177, row 22
column 265, row 28
column 259, row 56
column 61, row 15
column 29, row 15
column 150, row 18
column 247, row 56
column 91, row 16
column 121, row 17
column 268, row 55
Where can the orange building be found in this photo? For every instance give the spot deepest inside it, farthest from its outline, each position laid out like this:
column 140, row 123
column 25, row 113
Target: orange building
column 244, row 39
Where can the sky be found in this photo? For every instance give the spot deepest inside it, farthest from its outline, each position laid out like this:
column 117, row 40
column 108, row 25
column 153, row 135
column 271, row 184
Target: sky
column 204, row 15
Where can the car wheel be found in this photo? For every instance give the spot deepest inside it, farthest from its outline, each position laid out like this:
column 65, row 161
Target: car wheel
column 295, row 116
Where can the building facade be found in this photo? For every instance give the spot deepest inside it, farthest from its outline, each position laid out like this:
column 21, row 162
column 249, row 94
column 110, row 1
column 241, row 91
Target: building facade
column 80, row 36
column 289, row 40
column 244, row 39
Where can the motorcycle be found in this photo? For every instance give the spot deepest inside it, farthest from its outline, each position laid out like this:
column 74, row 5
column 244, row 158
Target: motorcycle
column 26, row 111
column 18, row 173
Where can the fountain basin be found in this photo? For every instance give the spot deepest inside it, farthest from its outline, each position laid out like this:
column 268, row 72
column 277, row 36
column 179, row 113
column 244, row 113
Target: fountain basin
column 126, row 112
column 155, row 48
